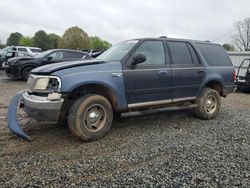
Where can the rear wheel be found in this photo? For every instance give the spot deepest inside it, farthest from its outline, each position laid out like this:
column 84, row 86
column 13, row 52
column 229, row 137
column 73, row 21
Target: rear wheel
column 90, row 117
column 26, row 72
column 208, row 104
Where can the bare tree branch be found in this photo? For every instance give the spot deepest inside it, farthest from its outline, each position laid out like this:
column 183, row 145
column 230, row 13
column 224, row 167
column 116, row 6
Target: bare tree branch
column 242, row 39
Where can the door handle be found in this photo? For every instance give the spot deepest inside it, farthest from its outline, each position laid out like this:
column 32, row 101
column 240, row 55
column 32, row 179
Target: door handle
column 162, row 73
column 201, row 72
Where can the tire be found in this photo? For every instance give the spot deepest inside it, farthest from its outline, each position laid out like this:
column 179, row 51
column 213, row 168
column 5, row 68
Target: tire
column 26, row 72
column 90, row 117
column 208, row 104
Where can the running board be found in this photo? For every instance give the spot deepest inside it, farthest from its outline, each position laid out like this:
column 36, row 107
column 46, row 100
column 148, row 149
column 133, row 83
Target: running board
column 153, row 111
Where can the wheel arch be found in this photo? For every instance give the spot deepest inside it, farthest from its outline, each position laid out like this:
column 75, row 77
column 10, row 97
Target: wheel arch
column 26, row 66
column 95, row 88
column 216, row 85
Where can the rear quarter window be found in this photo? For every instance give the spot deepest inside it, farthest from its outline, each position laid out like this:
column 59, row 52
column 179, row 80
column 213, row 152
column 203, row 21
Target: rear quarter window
column 36, row 50
column 214, row 54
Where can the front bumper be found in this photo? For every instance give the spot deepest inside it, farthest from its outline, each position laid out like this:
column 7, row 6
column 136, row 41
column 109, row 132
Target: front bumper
column 4, row 65
column 41, row 108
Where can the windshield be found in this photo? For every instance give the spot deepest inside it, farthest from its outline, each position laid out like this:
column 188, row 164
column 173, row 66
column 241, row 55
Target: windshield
column 117, row 52
column 42, row 55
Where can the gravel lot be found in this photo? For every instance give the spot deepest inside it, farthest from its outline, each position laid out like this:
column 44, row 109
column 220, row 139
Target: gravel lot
column 170, row 149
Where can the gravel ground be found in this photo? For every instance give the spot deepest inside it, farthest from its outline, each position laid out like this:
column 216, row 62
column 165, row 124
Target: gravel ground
column 170, row 149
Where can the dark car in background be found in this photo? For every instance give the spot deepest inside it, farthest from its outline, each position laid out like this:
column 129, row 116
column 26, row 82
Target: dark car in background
column 21, row 67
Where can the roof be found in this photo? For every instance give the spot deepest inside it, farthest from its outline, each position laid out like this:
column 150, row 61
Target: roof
column 176, row 39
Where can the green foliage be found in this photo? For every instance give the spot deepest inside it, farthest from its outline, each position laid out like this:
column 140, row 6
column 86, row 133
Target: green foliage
column 42, row 40
column 14, row 39
column 26, row 41
column 1, row 45
column 228, row 47
column 99, row 44
column 75, row 38
column 54, row 40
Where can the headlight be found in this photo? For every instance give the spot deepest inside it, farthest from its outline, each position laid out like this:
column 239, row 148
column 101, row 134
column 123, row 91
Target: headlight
column 44, row 84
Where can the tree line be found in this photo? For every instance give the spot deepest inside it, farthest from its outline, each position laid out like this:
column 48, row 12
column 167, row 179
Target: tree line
column 73, row 38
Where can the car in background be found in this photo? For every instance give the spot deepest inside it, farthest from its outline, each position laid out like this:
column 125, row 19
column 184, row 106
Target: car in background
column 21, row 67
column 11, row 54
column 32, row 51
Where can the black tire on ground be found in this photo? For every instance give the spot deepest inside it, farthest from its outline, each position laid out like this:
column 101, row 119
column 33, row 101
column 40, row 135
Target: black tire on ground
column 26, row 72
column 208, row 103
column 90, row 117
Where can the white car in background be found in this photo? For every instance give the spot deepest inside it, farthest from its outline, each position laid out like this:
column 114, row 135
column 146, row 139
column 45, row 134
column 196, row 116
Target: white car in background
column 32, row 51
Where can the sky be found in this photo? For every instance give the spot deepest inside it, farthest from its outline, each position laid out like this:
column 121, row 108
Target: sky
column 118, row 20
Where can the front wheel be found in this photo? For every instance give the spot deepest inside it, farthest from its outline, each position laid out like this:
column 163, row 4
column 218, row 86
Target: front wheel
column 208, row 104
column 26, row 72
column 90, row 117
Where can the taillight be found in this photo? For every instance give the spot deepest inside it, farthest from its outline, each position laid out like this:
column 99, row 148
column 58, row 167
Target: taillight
column 234, row 75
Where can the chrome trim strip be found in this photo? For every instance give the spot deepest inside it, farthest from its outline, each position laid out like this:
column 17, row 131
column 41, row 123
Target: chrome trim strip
column 184, row 99
column 161, row 102
column 151, row 103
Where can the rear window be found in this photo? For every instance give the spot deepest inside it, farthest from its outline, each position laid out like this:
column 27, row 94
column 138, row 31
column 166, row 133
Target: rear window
column 215, row 55
column 35, row 50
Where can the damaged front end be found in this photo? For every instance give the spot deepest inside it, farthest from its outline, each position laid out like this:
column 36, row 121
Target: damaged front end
column 41, row 102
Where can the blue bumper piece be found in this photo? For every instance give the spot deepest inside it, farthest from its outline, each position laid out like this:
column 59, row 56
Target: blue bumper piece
column 12, row 117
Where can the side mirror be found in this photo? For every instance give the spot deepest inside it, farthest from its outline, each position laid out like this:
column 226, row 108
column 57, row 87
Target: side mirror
column 138, row 58
column 49, row 58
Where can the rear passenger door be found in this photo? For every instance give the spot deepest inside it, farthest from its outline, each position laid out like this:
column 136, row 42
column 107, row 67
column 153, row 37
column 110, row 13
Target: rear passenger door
column 188, row 72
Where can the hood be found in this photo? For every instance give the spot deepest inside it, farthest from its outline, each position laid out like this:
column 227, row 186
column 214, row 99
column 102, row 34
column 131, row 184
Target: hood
column 20, row 59
column 48, row 69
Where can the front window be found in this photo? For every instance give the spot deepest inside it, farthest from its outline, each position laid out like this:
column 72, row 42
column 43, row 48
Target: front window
column 56, row 55
column 44, row 54
column 117, row 52
column 154, row 52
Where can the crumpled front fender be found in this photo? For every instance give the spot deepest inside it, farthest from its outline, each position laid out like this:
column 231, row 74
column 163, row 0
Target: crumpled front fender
column 12, row 121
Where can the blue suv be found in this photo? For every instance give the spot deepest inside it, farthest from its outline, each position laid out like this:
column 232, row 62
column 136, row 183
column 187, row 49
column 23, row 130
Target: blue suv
column 140, row 75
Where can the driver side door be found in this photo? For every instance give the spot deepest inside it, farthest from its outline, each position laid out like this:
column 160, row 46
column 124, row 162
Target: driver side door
column 150, row 82
column 54, row 57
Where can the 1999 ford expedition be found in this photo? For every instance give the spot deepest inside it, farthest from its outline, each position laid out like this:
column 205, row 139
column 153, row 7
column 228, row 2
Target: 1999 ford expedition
column 133, row 76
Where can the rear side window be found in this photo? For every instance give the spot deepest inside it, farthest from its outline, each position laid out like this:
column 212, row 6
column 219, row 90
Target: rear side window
column 36, row 50
column 180, row 53
column 22, row 50
column 214, row 54
column 70, row 54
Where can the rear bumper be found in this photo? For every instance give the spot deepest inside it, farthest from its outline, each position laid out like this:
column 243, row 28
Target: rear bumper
column 42, row 109
column 228, row 89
